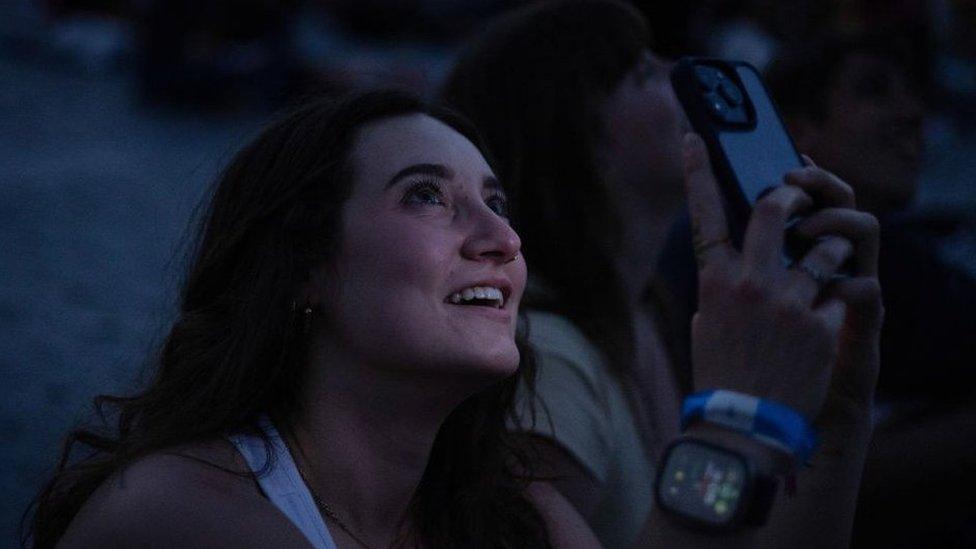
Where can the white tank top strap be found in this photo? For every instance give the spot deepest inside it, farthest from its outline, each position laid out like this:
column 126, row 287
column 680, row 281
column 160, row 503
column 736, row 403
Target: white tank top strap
column 282, row 484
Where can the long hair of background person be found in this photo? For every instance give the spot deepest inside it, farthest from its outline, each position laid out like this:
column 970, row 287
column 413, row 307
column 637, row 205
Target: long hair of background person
column 545, row 147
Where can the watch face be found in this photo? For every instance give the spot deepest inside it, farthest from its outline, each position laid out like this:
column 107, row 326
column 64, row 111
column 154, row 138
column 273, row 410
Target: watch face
column 702, row 483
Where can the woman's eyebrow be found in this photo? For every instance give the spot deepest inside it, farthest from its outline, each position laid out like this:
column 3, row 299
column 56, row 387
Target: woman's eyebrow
column 436, row 170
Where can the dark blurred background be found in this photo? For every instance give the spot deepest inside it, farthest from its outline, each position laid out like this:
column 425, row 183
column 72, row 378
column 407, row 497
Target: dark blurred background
column 115, row 115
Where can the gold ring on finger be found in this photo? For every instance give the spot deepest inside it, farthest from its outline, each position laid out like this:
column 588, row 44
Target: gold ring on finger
column 702, row 247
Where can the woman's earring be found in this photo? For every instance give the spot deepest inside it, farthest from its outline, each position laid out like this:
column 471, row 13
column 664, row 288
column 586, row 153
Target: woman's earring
column 308, row 319
column 306, row 315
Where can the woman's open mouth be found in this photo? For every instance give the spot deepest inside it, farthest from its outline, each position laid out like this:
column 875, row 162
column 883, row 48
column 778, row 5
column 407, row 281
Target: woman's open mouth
column 485, row 296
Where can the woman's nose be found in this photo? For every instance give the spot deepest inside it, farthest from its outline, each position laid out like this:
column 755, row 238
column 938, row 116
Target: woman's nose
column 491, row 238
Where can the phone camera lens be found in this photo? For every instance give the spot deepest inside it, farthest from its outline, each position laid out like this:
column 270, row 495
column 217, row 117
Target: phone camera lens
column 731, row 93
column 716, row 105
column 708, row 77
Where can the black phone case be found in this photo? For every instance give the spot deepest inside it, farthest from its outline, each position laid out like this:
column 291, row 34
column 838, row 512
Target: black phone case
column 747, row 141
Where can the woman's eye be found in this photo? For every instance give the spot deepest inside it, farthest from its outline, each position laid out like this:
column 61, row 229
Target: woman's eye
column 498, row 204
column 424, row 192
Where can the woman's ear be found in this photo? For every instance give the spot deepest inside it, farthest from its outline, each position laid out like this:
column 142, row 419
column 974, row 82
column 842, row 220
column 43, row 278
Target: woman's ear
column 320, row 287
column 307, row 304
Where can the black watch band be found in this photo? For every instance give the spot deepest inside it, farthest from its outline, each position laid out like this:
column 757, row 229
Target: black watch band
column 764, row 492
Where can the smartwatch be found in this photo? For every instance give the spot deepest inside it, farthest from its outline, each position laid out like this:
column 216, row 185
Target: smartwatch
column 711, row 488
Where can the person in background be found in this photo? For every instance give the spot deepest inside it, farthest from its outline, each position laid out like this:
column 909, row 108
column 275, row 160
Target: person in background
column 587, row 135
column 854, row 105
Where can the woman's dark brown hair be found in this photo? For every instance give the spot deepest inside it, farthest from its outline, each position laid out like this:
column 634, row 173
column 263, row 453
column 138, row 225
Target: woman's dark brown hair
column 238, row 348
column 533, row 83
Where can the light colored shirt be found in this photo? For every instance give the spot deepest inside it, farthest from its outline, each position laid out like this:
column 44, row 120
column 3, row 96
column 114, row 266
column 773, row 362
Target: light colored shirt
column 282, row 483
column 582, row 407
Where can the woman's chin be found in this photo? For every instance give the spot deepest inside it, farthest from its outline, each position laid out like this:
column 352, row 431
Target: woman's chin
column 491, row 367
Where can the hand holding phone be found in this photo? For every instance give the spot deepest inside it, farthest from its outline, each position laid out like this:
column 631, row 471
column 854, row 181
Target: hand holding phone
column 751, row 151
column 748, row 297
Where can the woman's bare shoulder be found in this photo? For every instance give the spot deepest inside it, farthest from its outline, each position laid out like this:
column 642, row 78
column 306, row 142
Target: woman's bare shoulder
column 567, row 528
column 190, row 496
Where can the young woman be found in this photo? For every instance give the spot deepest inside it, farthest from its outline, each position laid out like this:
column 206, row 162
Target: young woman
column 587, row 136
column 348, row 326
column 344, row 359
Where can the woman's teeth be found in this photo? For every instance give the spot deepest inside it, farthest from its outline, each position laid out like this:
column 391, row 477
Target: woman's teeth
column 474, row 294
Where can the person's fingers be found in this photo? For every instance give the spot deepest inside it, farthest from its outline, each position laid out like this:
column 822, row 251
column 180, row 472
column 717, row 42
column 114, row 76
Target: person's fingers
column 817, row 267
column 710, row 230
column 863, row 298
column 832, row 313
column 826, row 188
column 858, row 339
column 860, row 228
column 763, row 242
column 860, row 291
column 807, row 161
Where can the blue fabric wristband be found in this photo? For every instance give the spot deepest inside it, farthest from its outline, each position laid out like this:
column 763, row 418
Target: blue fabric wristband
column 769, row 422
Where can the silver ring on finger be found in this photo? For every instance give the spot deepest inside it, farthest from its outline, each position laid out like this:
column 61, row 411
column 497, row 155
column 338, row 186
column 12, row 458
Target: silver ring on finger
column 817, row 275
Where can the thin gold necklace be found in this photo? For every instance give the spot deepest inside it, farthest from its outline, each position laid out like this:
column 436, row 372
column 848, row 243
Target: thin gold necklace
column 323, row 507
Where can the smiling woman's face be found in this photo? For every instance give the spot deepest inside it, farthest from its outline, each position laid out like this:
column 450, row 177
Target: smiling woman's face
column 428, row 275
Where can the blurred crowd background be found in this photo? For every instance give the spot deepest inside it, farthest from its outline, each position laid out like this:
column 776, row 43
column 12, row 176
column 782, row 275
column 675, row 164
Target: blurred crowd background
column 115, row 115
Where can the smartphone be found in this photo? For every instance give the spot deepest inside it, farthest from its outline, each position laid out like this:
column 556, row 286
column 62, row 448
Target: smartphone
column 751, row 151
